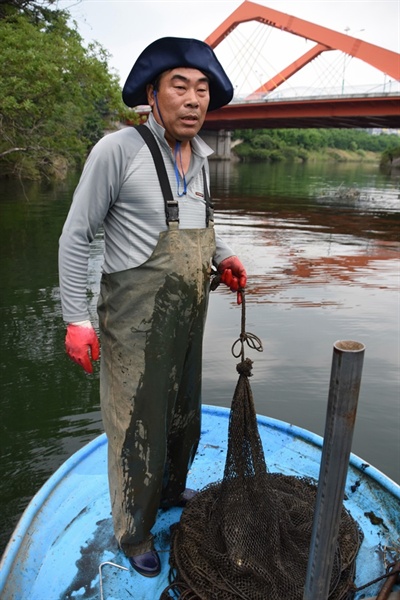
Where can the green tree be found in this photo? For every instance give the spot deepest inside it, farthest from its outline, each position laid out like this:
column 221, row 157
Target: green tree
column 34, row 9
column 56, row 96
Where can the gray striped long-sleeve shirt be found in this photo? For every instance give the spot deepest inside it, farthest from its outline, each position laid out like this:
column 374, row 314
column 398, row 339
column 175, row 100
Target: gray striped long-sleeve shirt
column 119, row 191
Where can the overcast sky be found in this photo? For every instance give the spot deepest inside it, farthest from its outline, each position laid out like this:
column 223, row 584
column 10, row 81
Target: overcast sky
column 126, row 27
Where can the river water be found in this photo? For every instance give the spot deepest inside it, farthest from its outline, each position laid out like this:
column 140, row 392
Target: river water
column 321, row 246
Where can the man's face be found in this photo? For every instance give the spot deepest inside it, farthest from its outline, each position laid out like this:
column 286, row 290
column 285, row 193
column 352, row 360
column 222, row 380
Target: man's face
column 183, row 97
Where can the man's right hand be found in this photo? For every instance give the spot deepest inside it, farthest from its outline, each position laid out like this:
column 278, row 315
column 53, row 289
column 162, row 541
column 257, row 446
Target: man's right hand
column 82, row 344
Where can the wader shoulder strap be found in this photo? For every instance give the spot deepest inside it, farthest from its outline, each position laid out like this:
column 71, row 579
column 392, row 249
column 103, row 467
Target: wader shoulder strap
column 209, row 204
column 171, row 205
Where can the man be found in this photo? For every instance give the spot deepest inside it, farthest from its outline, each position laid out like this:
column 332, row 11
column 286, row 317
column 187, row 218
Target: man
column 159, row 248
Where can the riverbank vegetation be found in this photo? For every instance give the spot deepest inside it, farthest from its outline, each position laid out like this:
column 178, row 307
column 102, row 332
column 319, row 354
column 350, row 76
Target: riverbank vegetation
column 57, row 97
column 313, row 144
column 391, row 157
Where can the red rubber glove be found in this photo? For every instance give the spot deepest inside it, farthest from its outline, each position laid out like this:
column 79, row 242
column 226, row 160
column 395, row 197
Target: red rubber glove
column 234, row 275
column 81, row 339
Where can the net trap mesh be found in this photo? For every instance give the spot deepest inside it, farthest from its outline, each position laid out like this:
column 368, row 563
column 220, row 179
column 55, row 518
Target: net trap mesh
column 248, row 535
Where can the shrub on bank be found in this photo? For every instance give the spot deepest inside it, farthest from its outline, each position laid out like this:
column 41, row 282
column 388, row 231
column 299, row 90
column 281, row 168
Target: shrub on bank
column 391, row 157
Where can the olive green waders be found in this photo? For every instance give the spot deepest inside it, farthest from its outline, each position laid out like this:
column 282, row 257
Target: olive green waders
column 151, row 324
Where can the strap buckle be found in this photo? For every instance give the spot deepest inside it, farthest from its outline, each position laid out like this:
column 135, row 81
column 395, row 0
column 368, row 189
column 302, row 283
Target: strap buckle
column 172, row 211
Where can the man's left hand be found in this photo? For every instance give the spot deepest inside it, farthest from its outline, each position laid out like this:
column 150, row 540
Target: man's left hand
column 234, row 275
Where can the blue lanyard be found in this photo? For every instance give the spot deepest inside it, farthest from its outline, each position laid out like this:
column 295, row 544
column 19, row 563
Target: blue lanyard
column 178, row 154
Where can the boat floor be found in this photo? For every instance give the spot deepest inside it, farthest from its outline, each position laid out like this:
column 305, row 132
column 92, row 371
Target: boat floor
column 65, row 540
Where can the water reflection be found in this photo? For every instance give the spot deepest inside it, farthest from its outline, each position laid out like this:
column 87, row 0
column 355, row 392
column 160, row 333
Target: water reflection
column 323, row 265
column 281, row 253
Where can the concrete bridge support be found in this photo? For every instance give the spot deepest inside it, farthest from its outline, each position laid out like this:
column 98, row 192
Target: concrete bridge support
column 220, row 142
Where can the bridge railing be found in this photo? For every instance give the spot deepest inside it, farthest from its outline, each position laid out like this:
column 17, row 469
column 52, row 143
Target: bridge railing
column 392, row 88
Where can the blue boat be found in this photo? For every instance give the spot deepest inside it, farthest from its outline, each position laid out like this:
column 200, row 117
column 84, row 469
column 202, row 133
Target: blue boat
column 63, row 547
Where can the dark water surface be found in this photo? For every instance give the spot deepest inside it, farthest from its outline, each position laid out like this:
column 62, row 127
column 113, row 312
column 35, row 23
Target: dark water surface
column 321, row 245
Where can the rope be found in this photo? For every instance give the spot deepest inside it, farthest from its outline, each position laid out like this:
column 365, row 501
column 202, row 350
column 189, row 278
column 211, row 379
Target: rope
column 250, row 339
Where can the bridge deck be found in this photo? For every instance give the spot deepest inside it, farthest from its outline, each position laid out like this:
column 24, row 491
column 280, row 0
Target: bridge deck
column 381, row 111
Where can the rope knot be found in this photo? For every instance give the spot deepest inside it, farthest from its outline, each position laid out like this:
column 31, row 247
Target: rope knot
column 244, row 368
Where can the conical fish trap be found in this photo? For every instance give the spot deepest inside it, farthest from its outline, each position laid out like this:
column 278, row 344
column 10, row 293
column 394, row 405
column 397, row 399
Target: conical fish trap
column 248, row 536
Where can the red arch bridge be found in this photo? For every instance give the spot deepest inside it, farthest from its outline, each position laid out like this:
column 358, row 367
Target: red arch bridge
column 266, row 96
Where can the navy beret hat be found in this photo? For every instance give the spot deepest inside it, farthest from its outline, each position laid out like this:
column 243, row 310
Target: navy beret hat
column 169, row 53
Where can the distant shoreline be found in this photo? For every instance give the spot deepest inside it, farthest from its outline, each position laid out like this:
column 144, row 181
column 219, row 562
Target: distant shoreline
column 325, row 155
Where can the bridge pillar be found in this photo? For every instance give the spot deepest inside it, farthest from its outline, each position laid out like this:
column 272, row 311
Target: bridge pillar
column 219, row 141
